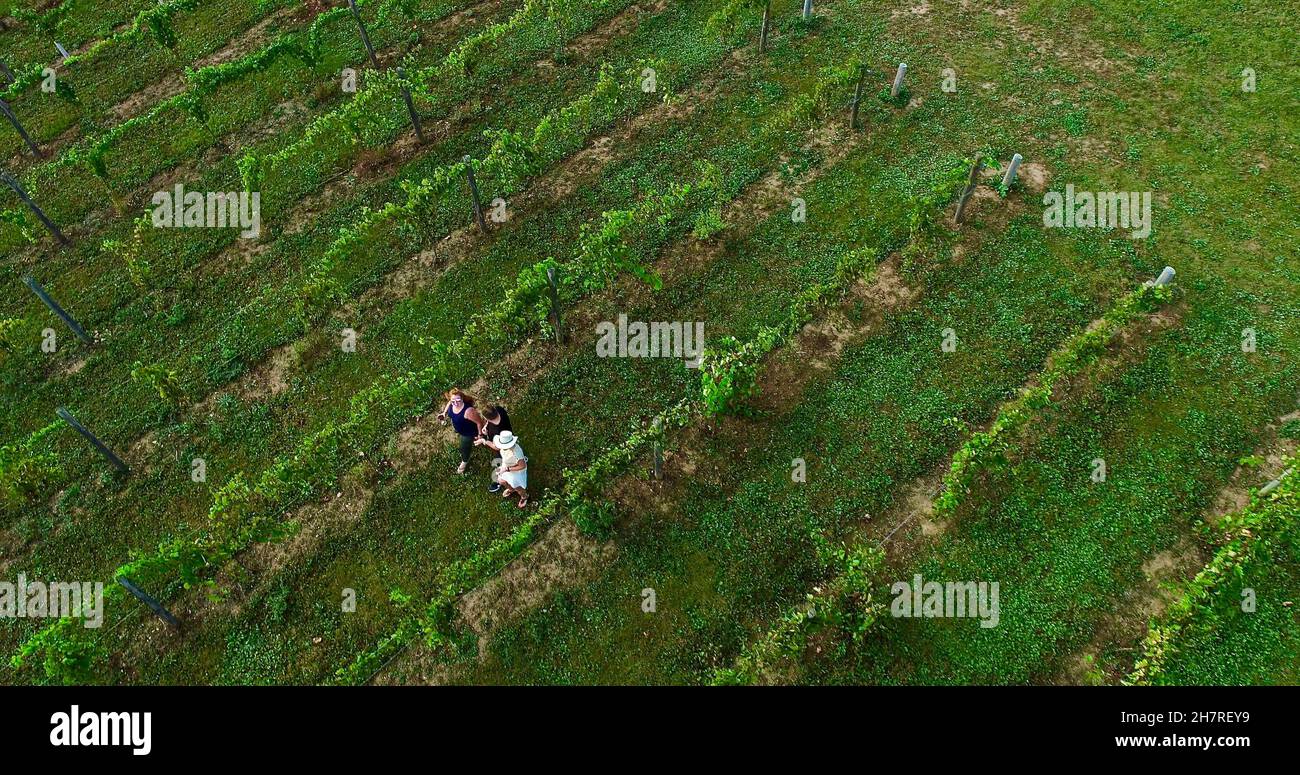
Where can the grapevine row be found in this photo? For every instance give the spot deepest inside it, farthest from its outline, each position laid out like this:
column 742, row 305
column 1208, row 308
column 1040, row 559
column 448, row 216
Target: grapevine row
column 1077, row 353
column 54, row 183
column 512, row 160
column 1244, row 537
column 844, row 603
column 845, row 600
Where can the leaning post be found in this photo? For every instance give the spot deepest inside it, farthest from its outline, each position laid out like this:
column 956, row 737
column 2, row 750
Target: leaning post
column 898, row 81
column 365, row 37
column 658, row 451
column 154, row 605
column 410, row 105
column 71, row 322
column 12, row 182
column 972, row 182
column 553, row 288
column 857, row 96
column 67, row 417
column 1010, row 176
column 22, row 132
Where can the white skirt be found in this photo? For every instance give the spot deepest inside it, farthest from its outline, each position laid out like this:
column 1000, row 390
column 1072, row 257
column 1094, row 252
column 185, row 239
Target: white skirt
column 516, row 479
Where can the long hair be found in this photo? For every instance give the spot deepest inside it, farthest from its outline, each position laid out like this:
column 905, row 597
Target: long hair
column 466, row 397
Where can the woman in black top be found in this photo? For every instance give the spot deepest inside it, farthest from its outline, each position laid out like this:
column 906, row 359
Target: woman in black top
column 498, row 419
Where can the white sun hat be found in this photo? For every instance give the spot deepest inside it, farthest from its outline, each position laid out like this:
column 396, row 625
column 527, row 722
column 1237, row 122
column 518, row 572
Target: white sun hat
column 505, row 440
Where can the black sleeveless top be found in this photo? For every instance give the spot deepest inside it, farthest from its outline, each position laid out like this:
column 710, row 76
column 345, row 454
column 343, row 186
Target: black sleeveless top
column 501, row 423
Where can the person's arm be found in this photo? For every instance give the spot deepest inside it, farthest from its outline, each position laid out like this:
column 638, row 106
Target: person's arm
column 473, row 416
column 487, row 443
column 443, row 414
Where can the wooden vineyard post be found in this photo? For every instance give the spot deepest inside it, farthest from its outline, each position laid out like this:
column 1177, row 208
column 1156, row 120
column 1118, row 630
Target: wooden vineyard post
column 1010, row 177
column 9, row 114
column 857, row 96
column 12, row 182
column 972, row 182
column 154, row 605
column 6, row 72
column 365, row 37
column 67, row 417
column 473, row 191
column 767, row 23
column 57, row 310
column 552, row 283
column 410, row 105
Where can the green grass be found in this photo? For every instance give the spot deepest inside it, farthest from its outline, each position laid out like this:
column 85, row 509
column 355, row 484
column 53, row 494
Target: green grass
column 470, row 518
column 1240, row 647
column 1064, row 553
column 328, row 386
column 1120, row 99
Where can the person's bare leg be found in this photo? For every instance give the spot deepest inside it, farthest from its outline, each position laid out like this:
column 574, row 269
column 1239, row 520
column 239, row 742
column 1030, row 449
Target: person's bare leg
column 523, row 497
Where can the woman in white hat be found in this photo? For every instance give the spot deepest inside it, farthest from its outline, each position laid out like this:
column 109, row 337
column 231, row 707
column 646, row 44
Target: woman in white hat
column 513, row 473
